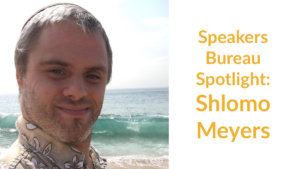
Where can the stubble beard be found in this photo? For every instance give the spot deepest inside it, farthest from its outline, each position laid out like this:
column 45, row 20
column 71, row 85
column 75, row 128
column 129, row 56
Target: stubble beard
column 50, row 122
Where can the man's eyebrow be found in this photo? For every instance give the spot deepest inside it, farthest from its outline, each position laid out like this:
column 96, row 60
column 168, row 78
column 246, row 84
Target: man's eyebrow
column 97, row 68
column 54, row 62
column 65, row 64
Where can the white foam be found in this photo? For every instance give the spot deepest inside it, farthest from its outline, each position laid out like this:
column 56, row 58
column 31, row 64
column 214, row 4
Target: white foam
column 134, row 128
column 2, row 114
column 11, row 130
column 99, row 132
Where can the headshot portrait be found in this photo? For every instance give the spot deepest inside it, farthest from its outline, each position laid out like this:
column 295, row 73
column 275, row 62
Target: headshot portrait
column 85, row 85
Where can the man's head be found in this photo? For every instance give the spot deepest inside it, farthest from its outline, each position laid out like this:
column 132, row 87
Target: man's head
column 52, row 14
column 63, row 61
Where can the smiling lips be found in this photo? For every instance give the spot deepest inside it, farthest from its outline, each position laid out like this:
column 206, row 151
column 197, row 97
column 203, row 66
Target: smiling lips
column 74, row 110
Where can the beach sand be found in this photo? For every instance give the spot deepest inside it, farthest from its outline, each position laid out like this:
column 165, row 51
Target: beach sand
column 138, row 163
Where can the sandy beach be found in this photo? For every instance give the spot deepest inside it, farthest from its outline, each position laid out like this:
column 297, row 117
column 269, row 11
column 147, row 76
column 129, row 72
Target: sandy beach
column 138, row 163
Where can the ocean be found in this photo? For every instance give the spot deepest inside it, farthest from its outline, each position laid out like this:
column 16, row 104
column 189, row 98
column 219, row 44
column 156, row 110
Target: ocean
column 132, row 131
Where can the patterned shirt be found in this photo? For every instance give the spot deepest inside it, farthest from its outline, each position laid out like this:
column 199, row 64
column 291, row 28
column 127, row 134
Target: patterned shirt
column 34, row 149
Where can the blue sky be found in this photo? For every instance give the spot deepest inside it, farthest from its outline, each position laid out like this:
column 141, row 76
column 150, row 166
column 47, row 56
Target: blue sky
column 138, row 32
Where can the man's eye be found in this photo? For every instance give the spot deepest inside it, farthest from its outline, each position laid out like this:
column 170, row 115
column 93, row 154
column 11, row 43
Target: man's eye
column 57, row 71
column 93, row 77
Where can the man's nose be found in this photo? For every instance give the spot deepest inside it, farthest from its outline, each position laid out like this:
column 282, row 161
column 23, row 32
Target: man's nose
column 75, row 88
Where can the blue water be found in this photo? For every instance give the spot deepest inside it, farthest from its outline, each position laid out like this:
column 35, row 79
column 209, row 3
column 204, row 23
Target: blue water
column 132, row 122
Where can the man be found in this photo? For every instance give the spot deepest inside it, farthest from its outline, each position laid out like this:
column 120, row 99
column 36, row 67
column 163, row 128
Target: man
column 63, row 62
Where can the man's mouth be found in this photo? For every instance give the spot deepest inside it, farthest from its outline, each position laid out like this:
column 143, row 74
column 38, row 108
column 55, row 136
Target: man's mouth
column 74, row 111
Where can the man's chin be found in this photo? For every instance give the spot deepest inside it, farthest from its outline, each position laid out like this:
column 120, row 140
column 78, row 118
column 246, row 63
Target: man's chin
column 70, row 132
column 72, row 137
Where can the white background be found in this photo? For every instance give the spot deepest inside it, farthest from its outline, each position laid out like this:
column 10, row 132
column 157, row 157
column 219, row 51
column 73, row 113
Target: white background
column 279, row 60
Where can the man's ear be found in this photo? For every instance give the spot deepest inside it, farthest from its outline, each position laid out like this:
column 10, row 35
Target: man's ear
column 19, row 79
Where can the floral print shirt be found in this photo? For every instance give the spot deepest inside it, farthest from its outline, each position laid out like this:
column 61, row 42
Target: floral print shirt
column 34, row 149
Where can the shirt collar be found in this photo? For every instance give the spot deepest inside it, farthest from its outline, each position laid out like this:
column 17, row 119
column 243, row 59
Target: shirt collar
column 60, row 154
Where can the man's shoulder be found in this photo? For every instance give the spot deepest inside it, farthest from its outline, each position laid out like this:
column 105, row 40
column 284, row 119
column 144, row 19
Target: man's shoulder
column 12, row 156
column 99, row 162
column 18, row 157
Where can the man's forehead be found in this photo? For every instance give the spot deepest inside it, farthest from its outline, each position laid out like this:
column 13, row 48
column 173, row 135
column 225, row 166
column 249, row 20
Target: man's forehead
column 66, row 44
column 68, row 34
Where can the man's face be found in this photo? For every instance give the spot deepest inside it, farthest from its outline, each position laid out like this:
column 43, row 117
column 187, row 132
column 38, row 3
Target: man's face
column 63, row 88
